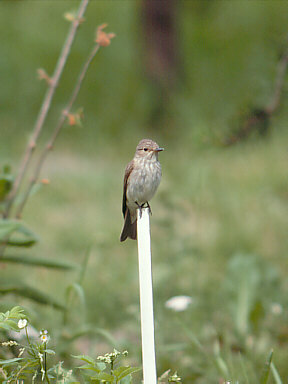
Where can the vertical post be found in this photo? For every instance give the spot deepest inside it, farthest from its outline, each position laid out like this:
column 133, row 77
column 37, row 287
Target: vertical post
column 146, row 297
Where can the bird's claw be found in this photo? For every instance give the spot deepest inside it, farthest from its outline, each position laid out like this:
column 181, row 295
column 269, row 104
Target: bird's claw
column 140, row 208
column 149, row 208
column 143, row 206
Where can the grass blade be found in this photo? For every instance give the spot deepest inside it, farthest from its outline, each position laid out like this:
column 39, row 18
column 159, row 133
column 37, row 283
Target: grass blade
column 31, row 293
column 266, row 370
column 39, row 262
column 275, row 374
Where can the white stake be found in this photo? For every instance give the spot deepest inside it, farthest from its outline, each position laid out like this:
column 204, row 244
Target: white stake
column 146, row 297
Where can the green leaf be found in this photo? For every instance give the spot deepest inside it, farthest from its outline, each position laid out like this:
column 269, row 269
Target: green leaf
column 6, row 363
column 17, row 242
column 122, row 372
column 7, row 320
column 16, row 233
column 84, row 265
column 85, row 358
column 104, row 376
column 78, row 289
column 16, row 312
column 126, row 380
column 266, row 370
column 31, row 293
column 49, row 351
column 89, row 366
column 23, row 237
column 9, row 324
column 275, row 374
column 6, row 182
column 7, row 227
column 100, row 365
column 89, row 330
column 222, row 366
column 39, row 262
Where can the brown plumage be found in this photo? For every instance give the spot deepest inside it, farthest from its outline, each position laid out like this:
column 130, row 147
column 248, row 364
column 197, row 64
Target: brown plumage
column 141, row 180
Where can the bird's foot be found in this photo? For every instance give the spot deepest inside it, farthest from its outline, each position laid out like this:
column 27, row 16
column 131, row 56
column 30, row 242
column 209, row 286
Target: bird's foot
column 149, row 208
column 140, row 208
column 144, row 205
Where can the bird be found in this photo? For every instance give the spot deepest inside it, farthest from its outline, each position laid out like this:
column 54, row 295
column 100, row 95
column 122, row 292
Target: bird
column 141, row 180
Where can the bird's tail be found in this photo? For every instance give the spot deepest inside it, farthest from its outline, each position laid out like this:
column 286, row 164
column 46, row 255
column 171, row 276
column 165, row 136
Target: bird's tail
column 129, row 229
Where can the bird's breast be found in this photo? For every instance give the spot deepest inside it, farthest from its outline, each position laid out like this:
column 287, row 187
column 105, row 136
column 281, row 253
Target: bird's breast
column 143, row 181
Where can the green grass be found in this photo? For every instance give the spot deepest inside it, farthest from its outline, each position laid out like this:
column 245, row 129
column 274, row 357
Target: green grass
column 219, row 224
column 219, row 227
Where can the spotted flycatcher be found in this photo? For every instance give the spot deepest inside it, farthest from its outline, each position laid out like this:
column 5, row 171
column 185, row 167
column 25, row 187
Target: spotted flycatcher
column 141, row 179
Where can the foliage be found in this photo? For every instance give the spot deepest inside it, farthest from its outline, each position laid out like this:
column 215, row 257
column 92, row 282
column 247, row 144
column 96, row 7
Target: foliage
column 219, row 225
column 12, row 231
column 9, row 319
column 32, row 363
column 104, row 369
column 6, row 181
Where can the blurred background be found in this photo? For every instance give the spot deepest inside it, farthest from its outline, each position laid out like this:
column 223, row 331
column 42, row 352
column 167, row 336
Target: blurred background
column 189, row 75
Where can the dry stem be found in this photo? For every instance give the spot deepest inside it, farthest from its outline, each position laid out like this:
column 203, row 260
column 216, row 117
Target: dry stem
column 279, row 84
column 260, row 118
column 56, row 132
column 45, row 106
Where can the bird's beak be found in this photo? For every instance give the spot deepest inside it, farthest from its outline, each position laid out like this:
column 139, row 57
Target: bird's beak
column 159, row 150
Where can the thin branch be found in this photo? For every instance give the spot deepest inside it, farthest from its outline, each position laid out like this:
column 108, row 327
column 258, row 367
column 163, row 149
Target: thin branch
column 279, row 84
column 57, row 130
column 45, row 106
column 259, row 118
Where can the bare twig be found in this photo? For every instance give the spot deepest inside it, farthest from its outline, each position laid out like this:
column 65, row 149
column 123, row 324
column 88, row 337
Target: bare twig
column 279, row 84
column 45, row 106
column 57, row 130
column 259, row 118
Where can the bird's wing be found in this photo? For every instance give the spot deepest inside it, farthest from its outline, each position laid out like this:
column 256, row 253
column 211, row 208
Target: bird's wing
column 128, row 171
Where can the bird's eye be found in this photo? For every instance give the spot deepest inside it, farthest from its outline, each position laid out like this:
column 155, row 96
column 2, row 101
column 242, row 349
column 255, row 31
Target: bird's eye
column 145, row 149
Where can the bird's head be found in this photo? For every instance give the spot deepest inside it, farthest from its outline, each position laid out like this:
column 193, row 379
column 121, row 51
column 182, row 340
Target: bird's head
column 148, row 149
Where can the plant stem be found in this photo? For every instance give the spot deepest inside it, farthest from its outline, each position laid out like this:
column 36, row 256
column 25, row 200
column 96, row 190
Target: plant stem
column 54, row 81
column 31, row 348
column 57, row 130
column 45, row 364
column 45, row 358
column 279, row 84
column 47, row 378
column 2, row 372
column 20, row 371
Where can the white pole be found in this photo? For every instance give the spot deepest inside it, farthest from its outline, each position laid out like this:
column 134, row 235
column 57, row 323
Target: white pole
column 146, row 297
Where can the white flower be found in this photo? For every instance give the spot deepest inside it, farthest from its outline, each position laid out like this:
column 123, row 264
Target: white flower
column 44, row 336
column 9, row 343
column 174, row 379
column 276, row 308
column 179, row 303
column 69, row 374
column 22, row 323
column 108, row 358
column 21, row 351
